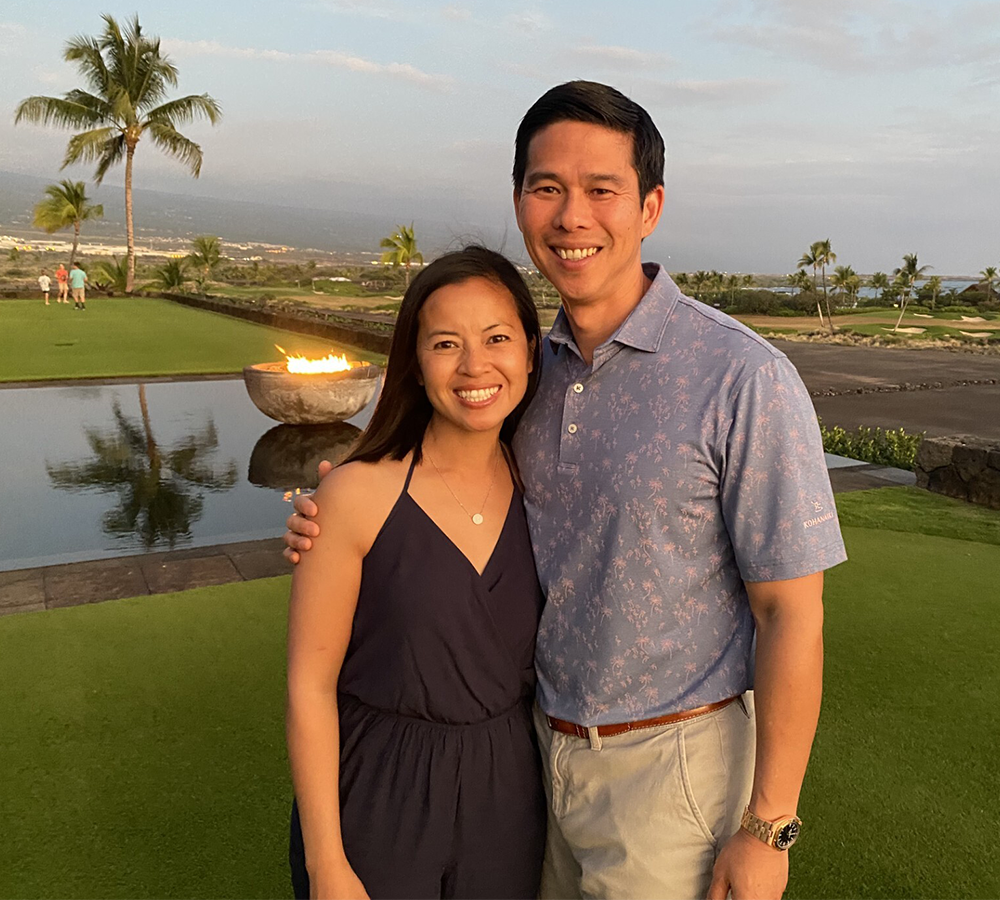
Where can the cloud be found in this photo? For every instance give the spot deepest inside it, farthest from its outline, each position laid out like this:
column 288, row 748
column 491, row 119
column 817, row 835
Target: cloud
column 335, row 58
column 532, row 21
column 854, row 37
column 619, row 58
column 374, row 9
column 720, row 92
column 47, row 77
column 11, row 36
column 457, row 13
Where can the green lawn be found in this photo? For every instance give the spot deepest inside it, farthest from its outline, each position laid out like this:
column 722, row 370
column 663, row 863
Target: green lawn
column 134, row 337
column 142, row 747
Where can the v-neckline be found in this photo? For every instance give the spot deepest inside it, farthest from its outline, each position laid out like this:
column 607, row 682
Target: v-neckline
column 458, row 550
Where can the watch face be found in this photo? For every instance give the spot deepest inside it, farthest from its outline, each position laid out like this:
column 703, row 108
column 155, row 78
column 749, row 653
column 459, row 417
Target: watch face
column 787, row 835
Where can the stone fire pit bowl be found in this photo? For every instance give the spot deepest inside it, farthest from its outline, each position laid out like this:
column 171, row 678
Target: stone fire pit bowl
column 310, row 399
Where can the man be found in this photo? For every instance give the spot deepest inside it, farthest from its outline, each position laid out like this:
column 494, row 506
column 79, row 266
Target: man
column 681, row 517
column 44, row 282
column 77, row 282
column 62, row 281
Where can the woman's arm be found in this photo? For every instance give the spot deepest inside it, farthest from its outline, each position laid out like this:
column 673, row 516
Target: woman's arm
column 323, row 600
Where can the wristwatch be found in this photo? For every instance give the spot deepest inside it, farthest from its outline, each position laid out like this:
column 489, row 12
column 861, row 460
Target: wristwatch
column 780, row 834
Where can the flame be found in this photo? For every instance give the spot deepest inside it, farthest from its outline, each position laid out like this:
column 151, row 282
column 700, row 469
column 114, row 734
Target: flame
column 329, row 363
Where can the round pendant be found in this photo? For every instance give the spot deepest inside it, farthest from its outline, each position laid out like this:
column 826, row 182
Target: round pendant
column 477, row 519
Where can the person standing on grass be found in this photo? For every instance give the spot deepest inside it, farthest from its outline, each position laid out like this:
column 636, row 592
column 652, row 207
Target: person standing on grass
column 77, row 282
column 412, row 625
column 681, row 518
column 62, row 282
column 44, row 282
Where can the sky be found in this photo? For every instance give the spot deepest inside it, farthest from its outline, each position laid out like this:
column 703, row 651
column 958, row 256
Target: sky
column 875, row 123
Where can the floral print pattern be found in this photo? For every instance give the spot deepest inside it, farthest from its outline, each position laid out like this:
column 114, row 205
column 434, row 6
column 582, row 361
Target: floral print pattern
column 684, row 461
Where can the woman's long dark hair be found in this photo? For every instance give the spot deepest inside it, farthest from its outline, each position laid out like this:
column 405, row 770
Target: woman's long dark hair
column 403, row 410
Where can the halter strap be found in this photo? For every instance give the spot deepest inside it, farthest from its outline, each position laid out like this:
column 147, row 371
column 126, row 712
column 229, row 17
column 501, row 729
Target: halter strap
column 409, row 474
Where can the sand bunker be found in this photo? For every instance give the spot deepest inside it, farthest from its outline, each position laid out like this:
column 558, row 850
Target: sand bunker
column 923, row 316
column 973, row 319
column 982, row 334
column 907, row 330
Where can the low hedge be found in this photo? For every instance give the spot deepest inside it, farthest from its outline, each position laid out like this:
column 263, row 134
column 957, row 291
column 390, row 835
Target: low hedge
column 883, row 447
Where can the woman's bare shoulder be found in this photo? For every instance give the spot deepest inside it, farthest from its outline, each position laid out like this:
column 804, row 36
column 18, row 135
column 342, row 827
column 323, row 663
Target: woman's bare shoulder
column 359, row 496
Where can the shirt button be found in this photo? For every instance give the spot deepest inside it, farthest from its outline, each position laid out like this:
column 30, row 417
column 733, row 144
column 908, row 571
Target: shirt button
column 578, row 388
column 572, row 429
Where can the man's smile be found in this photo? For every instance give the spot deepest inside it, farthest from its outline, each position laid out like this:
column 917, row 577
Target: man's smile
column 575, row 252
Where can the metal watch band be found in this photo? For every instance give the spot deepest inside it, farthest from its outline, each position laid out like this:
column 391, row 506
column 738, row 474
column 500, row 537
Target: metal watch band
column 758, row 827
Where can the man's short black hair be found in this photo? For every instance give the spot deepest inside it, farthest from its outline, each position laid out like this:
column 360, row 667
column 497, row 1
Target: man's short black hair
column 599, row 104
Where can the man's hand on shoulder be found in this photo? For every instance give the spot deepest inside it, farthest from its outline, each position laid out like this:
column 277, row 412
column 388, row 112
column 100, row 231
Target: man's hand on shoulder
column 300, row 524
column 750, row 869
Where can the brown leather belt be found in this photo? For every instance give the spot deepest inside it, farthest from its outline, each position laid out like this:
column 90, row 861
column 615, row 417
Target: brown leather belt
column 565, row 727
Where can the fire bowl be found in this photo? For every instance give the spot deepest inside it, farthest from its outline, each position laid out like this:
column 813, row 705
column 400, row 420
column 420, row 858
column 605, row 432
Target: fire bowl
column 288, row 456
column 310, row 399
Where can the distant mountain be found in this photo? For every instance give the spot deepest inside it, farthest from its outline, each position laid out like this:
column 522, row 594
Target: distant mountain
column 165, row 215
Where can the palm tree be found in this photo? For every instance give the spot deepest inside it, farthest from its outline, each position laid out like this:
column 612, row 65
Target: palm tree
column 681, row 280
column 205, row 255
column 987, row 277
column 841, row 279
column 113, row 275
column 160, row 492
column 402, row 250
column 170, row 276
column 716, row 283
column 699, row 281
column 934, row 286
column 732, row 283
column 128, row 79
column 879, row 281
column 907, row 275
column 66, row 204
column 800, row 279
column 812, row 258
column 826, row 256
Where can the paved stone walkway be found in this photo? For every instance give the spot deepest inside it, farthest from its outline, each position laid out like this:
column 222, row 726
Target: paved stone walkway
column 74, row 584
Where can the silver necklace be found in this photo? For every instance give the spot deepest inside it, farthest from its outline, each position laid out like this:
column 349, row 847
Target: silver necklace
column 477, row 518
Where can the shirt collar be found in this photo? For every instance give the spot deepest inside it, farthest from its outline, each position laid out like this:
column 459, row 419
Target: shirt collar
column 644, row 327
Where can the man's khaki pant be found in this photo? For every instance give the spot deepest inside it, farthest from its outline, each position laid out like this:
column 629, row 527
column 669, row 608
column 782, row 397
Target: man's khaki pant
column 644, row 814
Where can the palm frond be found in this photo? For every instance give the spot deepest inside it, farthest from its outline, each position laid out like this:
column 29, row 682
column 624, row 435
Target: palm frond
column 90, row 146
column 114, row 153
column 99, row 106
column 86, row 53
column 59, row 111
column 171, row 141
column 185, row 110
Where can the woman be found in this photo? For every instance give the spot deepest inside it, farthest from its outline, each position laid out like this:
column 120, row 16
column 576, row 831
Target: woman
column 412, row 622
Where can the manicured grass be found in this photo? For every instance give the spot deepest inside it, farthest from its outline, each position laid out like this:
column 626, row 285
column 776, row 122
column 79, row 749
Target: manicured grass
column 914, row 511
column 900, row 799
column 142, row 745
column 137, row 336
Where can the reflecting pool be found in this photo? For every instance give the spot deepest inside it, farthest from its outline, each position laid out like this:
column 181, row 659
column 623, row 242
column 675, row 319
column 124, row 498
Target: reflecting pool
column 89, row 472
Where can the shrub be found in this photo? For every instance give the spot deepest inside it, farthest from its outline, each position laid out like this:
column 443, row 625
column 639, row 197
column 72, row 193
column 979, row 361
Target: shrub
column 883, row 447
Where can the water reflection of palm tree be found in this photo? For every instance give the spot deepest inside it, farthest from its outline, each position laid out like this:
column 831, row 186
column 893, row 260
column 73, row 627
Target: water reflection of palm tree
column 160, row 491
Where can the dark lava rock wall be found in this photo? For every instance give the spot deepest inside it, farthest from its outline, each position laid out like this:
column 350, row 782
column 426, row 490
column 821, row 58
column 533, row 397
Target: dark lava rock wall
column 961, row 466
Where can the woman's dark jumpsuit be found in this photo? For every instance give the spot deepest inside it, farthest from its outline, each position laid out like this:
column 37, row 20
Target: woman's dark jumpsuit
column 440, row 785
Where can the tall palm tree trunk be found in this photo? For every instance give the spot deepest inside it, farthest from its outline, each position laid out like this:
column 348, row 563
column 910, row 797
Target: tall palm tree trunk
column 152, row 451
column 826, row 301
column 903, row 300
column 76, row 242
column 819, row 309
column 129, row 231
